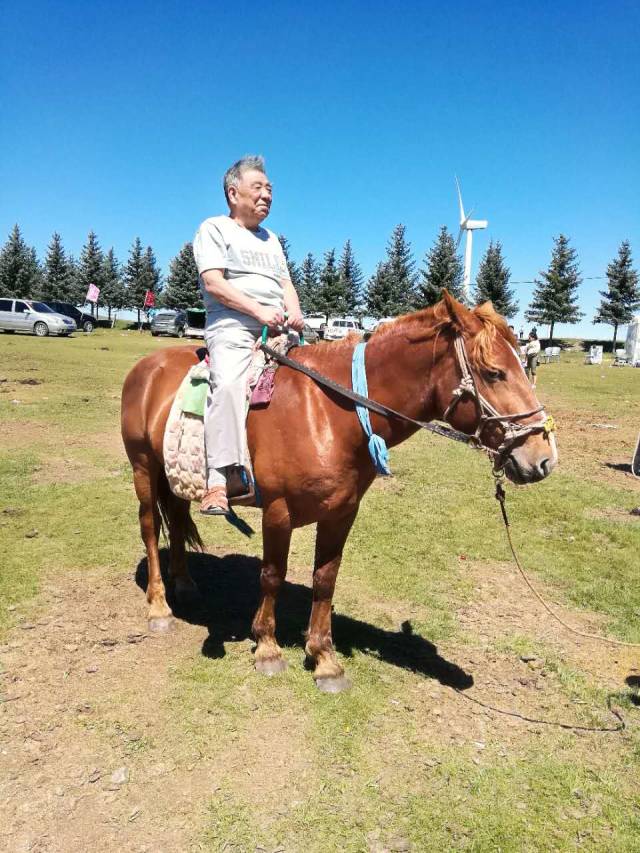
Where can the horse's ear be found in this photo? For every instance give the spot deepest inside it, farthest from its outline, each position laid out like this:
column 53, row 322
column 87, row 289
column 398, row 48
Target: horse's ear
column 459, row 315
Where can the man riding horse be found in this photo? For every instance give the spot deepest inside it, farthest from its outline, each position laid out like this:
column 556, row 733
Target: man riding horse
column 245, row 286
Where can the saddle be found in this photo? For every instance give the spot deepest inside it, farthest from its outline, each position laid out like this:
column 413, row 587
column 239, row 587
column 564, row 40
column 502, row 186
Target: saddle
column 183, row 445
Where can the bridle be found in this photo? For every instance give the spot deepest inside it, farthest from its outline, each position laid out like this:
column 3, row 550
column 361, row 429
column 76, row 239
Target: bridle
column 489, row 415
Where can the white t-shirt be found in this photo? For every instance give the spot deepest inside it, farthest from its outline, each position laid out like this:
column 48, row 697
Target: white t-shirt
column 532, row 348
column 253, row 261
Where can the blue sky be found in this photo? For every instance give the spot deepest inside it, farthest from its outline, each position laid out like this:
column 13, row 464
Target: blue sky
column 122, row 117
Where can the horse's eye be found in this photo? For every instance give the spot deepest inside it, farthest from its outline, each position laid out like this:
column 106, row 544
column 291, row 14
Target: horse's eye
column 495, row 375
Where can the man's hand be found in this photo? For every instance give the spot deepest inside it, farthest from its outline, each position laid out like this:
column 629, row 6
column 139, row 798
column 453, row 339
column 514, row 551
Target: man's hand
column 295, row 320
column 271, row 317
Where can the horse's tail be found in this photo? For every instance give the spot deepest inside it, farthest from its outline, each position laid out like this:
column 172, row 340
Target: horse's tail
column 169, row 518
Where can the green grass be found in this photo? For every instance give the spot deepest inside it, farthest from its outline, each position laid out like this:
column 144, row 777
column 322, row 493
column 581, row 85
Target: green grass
column 373, row 766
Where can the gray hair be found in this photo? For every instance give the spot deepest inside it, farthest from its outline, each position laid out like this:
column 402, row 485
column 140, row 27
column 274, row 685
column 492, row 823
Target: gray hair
column 234, row 173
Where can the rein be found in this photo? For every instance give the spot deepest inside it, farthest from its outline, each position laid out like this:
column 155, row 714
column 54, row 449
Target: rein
column 372, row 405
column 488, row 414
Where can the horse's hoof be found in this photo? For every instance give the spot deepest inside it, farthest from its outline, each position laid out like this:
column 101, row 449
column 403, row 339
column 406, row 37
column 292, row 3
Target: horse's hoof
column 271, row 666
column 161, row 624
column 333, row 685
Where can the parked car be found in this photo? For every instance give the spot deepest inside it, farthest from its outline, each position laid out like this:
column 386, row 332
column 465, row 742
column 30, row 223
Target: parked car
column 169, row 323
column 315, row 321
column 25, row 315
column 339, row 327
column 85, row 321
column 310, row 335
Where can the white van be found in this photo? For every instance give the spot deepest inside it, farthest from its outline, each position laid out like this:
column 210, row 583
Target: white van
column 25, row 315
column 340, row 327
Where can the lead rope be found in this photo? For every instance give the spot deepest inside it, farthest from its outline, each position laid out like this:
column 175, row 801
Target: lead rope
column 501, row 498
column 614, row 710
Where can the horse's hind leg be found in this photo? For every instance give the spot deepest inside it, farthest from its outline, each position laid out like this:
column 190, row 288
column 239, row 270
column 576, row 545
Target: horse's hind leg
column 330, row 538
column 145, row 479
column 276, row 532
column 181, row 530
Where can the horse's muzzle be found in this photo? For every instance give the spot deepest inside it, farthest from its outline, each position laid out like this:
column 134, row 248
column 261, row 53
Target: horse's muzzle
column 521, row 469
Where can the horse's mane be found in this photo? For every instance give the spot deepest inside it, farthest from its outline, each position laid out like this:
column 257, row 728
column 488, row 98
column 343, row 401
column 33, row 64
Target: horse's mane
column 429, row 322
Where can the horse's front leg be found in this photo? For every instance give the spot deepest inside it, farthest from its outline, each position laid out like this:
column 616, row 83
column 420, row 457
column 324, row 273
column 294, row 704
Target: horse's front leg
column 276, row 532
column 330, row 538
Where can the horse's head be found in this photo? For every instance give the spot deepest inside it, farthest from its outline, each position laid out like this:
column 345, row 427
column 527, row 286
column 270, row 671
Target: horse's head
column 487, row 394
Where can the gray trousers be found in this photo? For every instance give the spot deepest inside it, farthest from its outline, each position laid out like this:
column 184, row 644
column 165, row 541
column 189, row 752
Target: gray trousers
column 225, row 415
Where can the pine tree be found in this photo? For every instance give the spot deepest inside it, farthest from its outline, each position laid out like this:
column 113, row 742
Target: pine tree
column 401, row 269
column 443, row 269
column 332, row 295
column 182, row 290
column 20, row 273
column 152, row 274
column 381, row 298
column 113, row 293
column 294, row 271
column 58, row 278
column 351, row 276
column 309, row 285
column 134, row 277
column 74, row 287
column 492, row 282
column 555, row 298
column 622, row 299
column 90, row 270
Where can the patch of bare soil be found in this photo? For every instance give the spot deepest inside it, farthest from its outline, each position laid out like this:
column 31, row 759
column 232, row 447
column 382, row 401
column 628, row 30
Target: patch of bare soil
column 27, row 433
column 479, row 719
column 504, row 607
column 92, row 756
column 68, row 469
column 77, row 770
column 109, row 442
column 623, row 516
column 589, row 445
column 41, row 437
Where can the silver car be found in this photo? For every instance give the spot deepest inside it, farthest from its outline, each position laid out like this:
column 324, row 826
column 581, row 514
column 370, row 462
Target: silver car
column 169, row 323
column 25, row 315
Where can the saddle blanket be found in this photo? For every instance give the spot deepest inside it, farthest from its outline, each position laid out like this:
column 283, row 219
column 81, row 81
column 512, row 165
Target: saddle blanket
column 183, row 444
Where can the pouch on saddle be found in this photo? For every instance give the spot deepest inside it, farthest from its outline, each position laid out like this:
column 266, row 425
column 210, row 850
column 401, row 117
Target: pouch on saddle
column 183, row 447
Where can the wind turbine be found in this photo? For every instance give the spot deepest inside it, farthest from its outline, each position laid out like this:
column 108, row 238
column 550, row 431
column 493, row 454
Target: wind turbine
column 469, row 226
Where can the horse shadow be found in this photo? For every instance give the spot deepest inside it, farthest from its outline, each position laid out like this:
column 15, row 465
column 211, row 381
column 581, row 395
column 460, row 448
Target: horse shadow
column 228, row 597
column 625, row 467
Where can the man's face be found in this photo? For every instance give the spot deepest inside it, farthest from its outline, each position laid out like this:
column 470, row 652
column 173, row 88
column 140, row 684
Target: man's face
column 250, row 200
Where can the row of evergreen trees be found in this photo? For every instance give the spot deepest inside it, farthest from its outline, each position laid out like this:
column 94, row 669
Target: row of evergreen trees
column 62, row 277
column 336, row 286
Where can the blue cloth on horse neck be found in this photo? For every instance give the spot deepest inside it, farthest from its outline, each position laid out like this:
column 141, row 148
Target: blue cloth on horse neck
column 377, row 445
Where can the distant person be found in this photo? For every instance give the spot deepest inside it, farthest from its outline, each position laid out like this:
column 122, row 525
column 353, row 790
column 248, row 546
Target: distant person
column 245, row 285
column 521, row 335
column 531, row 352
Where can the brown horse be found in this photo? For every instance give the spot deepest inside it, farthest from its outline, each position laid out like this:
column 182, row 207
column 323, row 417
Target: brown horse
column 310, row 454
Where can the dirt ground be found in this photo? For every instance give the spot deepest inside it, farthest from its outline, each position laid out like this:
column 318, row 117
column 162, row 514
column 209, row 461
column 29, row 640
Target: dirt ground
column 82, row 772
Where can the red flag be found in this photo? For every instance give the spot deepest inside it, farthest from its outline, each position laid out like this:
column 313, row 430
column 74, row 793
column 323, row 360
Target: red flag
column 149, row 299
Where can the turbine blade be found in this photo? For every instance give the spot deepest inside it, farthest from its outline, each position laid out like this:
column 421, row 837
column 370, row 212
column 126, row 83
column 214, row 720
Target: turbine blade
column 462, row 216
column 459, row 236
